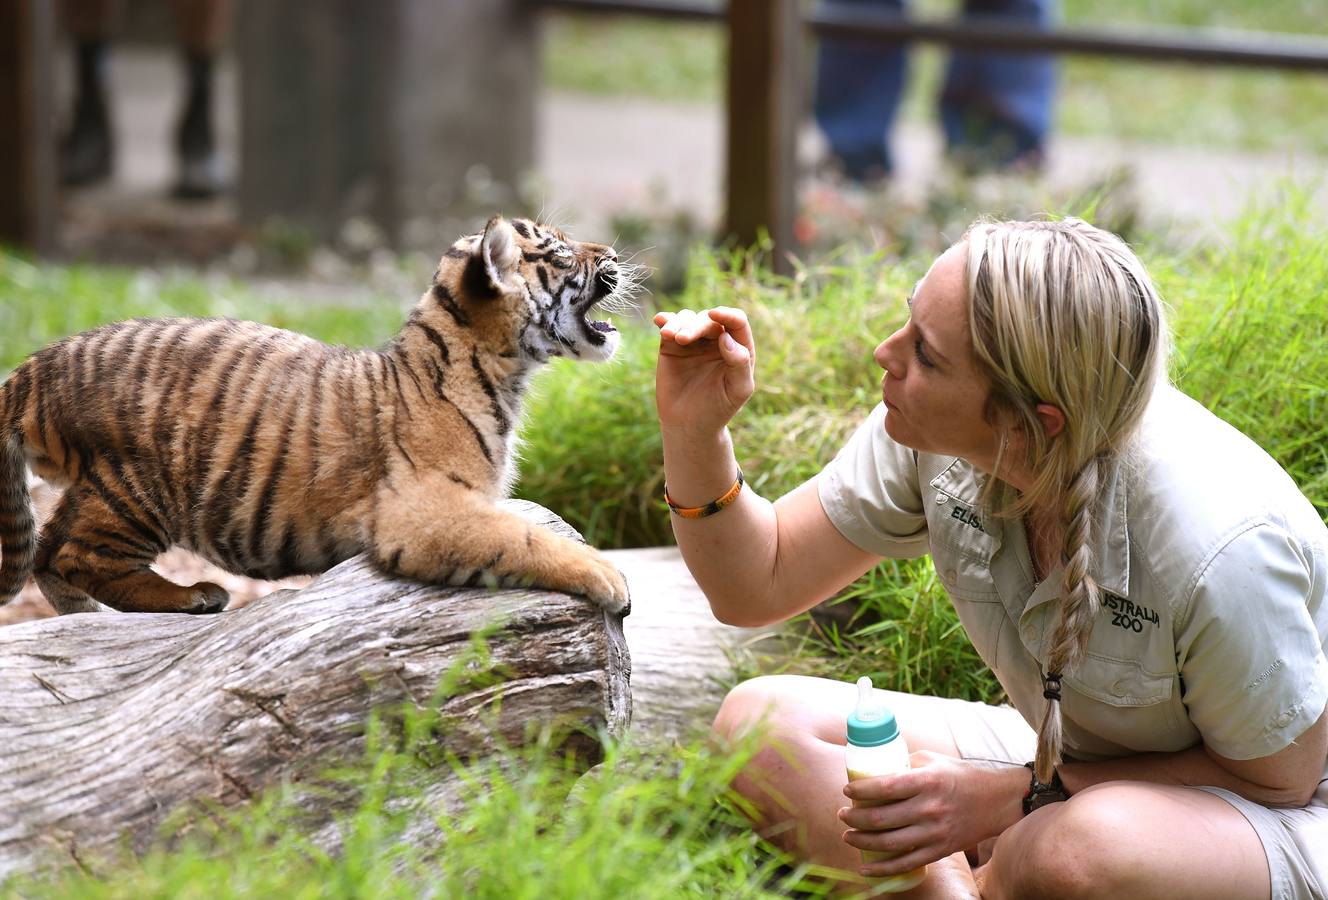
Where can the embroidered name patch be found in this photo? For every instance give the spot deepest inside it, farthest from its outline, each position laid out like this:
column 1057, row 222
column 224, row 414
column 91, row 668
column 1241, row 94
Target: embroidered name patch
column 967, row 516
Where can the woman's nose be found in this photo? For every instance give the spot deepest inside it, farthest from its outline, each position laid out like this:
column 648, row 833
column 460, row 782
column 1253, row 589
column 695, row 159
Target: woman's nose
column 884, row 353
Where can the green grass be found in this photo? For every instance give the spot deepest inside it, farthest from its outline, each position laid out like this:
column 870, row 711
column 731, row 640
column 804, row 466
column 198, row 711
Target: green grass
column 602, row 54
column 1172, row 104
column 522, row 824
column 42, row 303
column 1253, row 323
column 1251, row 342
column 895, row 624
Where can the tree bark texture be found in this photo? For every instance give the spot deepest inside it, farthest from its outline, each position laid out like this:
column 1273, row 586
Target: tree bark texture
column 111, row 721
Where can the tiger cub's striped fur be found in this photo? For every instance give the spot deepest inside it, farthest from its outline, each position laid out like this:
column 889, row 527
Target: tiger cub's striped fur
column 272, row 454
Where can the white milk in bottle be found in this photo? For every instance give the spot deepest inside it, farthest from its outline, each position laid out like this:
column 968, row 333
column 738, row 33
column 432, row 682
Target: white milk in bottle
column 875, row 747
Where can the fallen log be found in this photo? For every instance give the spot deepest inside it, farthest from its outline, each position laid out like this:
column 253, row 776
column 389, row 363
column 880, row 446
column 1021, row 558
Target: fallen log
column 110, row 722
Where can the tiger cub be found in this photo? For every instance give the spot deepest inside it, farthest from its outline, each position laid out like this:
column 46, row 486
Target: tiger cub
column 272, row 454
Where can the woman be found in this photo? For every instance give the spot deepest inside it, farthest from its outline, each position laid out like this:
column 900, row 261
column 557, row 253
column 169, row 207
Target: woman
column 1146, row 583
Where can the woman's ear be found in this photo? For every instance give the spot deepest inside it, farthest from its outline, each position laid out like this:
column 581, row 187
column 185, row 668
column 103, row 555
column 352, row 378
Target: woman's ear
column 1052, row 419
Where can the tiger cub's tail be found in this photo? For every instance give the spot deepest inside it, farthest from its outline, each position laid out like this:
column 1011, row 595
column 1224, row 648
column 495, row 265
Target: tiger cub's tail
column 18, row 548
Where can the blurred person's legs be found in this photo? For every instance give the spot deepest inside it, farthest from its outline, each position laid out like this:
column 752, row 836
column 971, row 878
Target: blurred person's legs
column 201, row 26
column 858, row 86
column 996, row 107
column 86, row 148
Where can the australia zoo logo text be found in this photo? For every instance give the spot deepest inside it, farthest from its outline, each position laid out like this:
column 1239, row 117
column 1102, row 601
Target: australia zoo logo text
column 1127, row 615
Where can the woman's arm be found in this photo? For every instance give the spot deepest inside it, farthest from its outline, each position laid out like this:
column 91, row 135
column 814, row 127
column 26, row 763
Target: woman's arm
column 1287, row 778
column 756, row 562
column 760, row 562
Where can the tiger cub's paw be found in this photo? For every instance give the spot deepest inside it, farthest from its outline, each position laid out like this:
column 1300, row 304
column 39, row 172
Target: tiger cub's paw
column 598, row 579
column 208, row 598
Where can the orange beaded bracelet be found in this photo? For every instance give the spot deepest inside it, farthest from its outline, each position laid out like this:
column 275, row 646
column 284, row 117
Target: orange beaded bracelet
column 714, row 506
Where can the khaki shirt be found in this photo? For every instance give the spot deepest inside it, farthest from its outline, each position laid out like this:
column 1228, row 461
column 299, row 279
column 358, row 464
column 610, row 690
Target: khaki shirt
column 1213, row 567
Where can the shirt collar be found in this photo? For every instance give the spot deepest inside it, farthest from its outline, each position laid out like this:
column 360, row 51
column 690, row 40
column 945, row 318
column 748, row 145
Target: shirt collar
column 1111, row 557
column 960, row 480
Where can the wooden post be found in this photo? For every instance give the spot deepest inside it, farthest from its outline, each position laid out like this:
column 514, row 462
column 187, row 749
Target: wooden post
column 27, row 127
column 384, row 110
column 764, row 109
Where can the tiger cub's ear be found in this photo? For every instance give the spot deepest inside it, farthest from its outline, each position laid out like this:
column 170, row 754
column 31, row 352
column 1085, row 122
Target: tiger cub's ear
column 500, row 255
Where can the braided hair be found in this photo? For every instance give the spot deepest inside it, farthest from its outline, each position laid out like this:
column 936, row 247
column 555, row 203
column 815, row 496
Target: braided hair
column 1062, row 313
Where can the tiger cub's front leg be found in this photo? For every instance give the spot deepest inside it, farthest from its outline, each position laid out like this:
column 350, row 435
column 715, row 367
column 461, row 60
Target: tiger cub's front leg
column 433, row 529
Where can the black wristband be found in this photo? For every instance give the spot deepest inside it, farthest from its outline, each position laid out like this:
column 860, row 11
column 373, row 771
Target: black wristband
column 1039, row 794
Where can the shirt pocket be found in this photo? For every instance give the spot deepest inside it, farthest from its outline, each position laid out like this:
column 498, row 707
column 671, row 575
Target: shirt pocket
column 966, row 577
column 1119, row 701
column 965, row 573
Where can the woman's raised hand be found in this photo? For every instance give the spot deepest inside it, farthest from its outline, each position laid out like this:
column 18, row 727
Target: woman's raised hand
column 706, row 368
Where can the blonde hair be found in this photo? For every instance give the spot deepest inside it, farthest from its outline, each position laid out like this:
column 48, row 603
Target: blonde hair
column 1062, row 313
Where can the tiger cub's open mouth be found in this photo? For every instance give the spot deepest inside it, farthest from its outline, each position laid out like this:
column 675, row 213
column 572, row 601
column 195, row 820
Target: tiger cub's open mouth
column 610, row 293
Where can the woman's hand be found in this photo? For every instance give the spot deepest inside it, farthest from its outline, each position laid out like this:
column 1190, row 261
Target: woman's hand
column 706, row 368
column 938, row 807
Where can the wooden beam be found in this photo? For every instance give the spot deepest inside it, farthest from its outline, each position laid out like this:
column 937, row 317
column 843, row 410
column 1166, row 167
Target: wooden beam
column 27, row 128
column 764, row 109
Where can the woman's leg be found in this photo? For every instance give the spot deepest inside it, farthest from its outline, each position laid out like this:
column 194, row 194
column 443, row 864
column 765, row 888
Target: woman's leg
column 1124, row 839
column 996, row 107
column 858, row 87
column 796, row 780
column 1129, row 839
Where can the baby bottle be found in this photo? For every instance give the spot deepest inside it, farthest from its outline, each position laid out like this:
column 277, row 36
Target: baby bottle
column 875, row 747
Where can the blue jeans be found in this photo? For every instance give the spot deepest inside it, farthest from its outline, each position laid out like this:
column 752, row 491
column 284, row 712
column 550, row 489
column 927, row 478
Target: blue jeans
column 995, row 107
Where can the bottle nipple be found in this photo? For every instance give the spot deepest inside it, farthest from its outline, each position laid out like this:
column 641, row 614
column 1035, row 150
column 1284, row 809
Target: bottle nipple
column 866, row 710
column 871, row 723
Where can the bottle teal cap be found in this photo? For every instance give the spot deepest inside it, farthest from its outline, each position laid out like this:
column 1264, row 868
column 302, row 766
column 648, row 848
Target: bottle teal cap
column 871, row 723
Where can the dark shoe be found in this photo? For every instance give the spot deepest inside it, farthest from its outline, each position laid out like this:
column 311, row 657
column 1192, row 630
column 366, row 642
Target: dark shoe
column 201, row 177
column 86, row 152
column 201, row 174
column 991, row 143
column 977, row 161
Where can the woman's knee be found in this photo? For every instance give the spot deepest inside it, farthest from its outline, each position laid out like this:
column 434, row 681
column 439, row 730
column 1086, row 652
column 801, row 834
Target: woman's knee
column 771, row 723
column 1077, row 850
column 741, row 708
column 774, row 703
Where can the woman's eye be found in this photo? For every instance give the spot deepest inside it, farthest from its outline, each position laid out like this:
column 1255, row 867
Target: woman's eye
column 922, row 355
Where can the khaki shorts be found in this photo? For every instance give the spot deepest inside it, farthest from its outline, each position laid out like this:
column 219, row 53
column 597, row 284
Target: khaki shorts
column 1295, row 840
